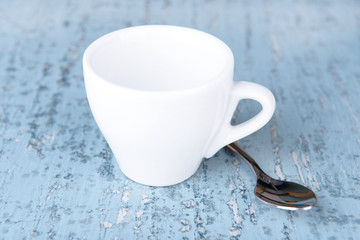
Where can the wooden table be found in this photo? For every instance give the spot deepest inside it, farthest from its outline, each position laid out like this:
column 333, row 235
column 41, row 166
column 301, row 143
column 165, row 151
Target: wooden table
column 59, row 179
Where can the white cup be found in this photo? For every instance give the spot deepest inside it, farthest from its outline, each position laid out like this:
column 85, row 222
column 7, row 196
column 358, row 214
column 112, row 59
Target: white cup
column 163, row 97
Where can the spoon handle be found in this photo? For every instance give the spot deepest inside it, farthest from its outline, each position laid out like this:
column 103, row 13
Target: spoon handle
column 235, row 147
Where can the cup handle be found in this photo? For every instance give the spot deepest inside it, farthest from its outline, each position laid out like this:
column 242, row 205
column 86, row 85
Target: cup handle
column 228, row 133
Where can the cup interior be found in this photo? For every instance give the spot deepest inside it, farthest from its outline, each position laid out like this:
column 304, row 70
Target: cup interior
column 158, row 58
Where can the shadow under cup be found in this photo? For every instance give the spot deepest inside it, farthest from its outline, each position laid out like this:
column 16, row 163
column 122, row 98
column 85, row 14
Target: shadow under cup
column 158, row 94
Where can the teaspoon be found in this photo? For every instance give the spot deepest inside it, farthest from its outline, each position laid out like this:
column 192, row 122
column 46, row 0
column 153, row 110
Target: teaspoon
column 281, row 194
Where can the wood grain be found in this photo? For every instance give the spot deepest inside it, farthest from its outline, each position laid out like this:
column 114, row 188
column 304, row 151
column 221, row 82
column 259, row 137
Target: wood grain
column 58, row 177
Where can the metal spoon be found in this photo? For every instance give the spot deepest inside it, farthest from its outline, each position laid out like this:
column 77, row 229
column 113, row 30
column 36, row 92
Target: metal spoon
column 281, row 194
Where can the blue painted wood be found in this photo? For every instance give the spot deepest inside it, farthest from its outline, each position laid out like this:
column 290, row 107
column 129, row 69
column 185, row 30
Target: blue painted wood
column 59, row 179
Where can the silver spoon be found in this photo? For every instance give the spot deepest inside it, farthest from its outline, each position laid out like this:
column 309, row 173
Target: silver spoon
column 281, row 194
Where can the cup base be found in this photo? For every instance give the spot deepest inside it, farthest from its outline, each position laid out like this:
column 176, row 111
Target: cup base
column 158, row 183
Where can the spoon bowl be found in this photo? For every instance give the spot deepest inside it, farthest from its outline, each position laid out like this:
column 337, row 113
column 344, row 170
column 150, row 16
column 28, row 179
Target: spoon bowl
column 285, row 195
column 281, row 194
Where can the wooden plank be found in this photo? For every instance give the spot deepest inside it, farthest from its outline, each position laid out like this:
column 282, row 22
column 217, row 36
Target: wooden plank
column 58, row 177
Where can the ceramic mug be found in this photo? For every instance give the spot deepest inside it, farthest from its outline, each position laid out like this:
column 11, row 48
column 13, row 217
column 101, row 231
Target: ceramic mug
column 163, row 97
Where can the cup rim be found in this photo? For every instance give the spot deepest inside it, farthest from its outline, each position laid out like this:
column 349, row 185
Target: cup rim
column 99, row 42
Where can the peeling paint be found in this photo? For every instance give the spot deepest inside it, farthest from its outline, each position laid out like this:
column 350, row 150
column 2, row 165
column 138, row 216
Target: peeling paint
column 185, row 225
column 121, row 215
column 297, row 164
column 189, row 203
column 279, row 172
column 125, row 198
column 234, row 208
column 60, row 180
column 106, row 224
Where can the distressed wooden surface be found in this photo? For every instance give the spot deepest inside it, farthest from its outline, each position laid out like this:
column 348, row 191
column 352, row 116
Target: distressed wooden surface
column 59, row 179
